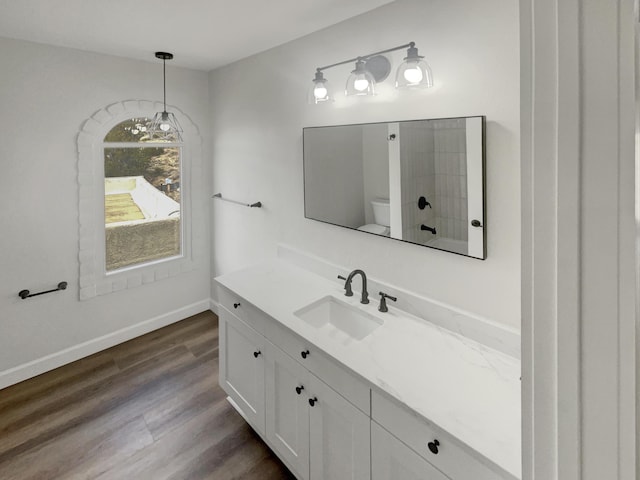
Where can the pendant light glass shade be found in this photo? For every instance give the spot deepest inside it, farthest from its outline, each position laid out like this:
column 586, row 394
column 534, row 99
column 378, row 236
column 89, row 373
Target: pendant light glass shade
column 320, row 90
column 360, row 82
column 165, row 126
column 414, row 71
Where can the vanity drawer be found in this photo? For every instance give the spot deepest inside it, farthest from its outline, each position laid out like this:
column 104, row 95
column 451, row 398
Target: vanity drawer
column 451, row 458
column 393, row 460
column 242, row 309
column 321, row 365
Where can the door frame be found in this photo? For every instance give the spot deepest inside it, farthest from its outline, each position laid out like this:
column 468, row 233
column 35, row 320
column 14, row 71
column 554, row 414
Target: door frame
column 579, row 228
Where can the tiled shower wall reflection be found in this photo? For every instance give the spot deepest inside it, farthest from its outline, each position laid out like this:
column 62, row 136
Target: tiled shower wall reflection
column 450, row 142
column 433, row 165
column 417, row 171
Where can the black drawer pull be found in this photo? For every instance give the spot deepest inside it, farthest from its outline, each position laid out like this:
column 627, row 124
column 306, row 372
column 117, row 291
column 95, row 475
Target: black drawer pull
column 433, row 446
column 299, row 389
column 236, row 305
column 304, row 353
column 312, row 401
column 257, row 353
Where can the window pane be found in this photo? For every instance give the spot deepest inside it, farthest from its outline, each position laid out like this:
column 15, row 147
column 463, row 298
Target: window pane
column 133, row 130
column 142, row 205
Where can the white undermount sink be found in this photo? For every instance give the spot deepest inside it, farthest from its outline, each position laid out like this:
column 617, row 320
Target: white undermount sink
column 332, row 314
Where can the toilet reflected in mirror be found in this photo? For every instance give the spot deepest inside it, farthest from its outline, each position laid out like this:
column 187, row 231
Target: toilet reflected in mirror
column 381, row 216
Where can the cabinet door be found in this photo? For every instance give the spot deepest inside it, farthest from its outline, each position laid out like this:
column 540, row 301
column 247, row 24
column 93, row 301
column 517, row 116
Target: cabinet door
column 242, row 367
column 391, row 459
column 339, row 436
column 287, row 409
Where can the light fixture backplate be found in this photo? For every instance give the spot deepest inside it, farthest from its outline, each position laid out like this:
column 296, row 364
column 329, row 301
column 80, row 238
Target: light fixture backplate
column 164, row 55
column 379, row 66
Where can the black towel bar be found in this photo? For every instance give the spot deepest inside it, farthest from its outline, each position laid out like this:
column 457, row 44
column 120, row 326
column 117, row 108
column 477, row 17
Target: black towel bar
column 23, row 294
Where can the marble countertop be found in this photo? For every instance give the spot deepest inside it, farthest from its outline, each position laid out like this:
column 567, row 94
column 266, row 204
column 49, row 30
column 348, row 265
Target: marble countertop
column 465, row 388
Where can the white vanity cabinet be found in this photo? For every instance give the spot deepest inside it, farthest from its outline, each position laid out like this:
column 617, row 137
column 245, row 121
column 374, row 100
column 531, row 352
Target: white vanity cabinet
column 340, row 436
column 392, row 460
column 317, row 432
column 419, row 437
column 241, row 357
column 287, row 404
column 321, row 418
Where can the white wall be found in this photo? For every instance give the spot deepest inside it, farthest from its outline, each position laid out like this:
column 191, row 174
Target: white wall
column 259, row 109
column 46, row 93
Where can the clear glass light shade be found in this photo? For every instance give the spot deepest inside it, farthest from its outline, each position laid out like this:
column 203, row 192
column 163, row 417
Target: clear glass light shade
column 414, row 71
column 165, row 128
column 414, row 74
column 320, row 90
column 360, row 82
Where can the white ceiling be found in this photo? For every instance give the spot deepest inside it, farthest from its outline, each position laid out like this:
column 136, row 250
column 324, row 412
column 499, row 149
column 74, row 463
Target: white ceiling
column 202, row 34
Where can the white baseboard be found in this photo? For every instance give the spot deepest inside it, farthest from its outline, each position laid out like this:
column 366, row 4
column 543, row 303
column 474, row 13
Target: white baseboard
column 36, row 367
column 214, row 305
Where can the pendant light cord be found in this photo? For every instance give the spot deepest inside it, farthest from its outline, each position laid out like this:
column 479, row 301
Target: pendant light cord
column 164, row 83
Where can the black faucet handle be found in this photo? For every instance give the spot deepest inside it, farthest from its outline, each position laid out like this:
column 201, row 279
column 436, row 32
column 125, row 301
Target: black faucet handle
column 383, row 301
column 347, row 286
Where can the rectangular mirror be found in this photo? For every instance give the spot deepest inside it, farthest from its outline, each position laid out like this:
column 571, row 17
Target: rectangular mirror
column 419, row 181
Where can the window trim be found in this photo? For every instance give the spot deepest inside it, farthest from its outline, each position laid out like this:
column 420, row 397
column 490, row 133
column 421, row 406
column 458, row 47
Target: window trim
column 94, row 279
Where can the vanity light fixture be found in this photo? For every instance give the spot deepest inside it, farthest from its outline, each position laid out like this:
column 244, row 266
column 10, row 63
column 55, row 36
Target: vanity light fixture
column 371, row 69
column 165, row 125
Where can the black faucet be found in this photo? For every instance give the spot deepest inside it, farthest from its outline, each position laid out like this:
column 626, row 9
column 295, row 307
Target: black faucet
column 347, row 285
column 429, row 229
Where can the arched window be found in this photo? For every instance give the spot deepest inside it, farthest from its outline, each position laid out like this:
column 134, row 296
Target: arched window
column 142, row 189
column 135, row 200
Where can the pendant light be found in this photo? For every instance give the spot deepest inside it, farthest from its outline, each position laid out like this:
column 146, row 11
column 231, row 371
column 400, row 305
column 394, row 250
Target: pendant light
column 164, row 126
column 414, row 71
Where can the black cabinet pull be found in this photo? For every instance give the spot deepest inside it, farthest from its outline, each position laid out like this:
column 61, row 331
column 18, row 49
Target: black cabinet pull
column 312, row 401
column 299, row 389
column 236, row 305
column 304, row 353
column 257, row 353
column 476, row 223
column 433, row 446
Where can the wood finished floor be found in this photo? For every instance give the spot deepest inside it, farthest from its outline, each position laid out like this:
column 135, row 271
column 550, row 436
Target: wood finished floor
column 148, row 409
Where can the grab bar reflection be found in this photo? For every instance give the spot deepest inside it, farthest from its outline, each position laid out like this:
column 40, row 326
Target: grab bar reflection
column 220, row 197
